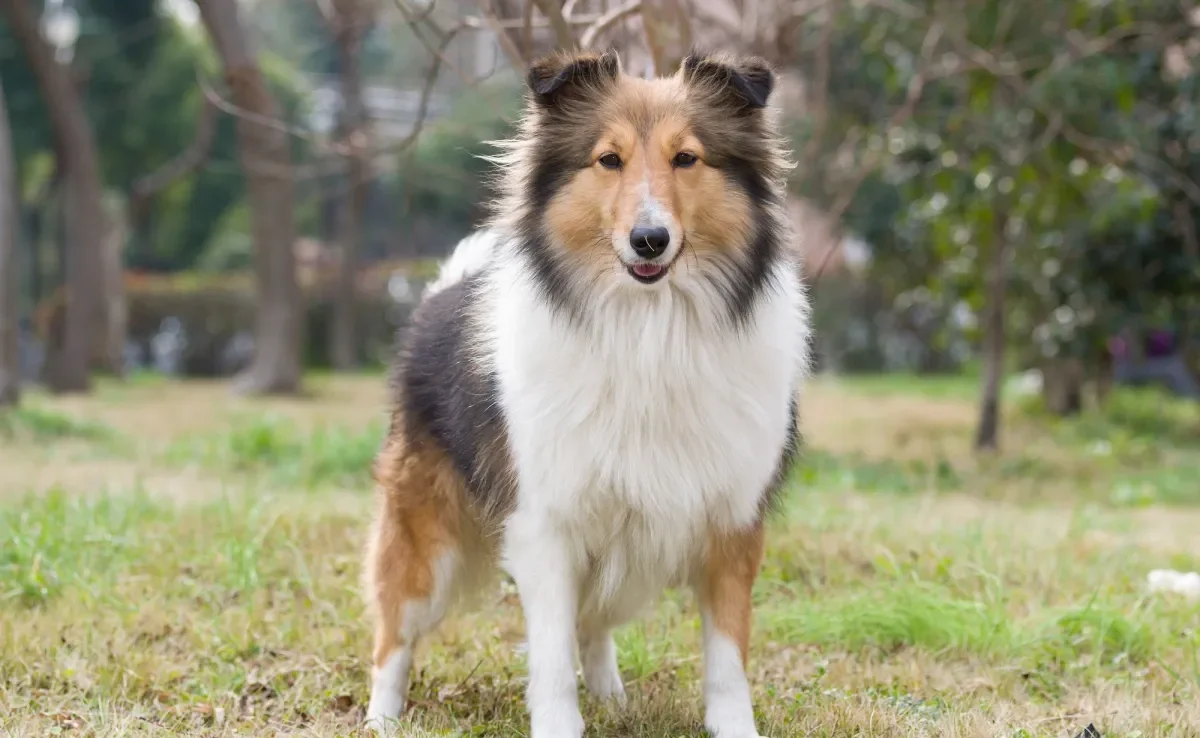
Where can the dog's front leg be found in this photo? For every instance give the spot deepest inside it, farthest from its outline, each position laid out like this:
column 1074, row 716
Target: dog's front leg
column 539, row 558
column 729, row 572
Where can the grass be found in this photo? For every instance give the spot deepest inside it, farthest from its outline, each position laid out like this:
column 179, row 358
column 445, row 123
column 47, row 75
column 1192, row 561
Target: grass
column 268, row 444
column 40, row 425
column 201, row 577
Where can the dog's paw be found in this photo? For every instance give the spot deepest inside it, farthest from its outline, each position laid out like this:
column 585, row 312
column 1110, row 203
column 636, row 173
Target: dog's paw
column 606, row 685
column 558, row 723
column 731, row 727
column 382, row 726
column 383, row 714
column 714, row 733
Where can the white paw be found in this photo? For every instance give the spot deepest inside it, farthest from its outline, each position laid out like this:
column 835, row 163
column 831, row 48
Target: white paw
column 557, row 723
column 734, row 733
column 731, row 721
column 382, row 725
column 389, row 690
column 384, row 712
column 605, row 685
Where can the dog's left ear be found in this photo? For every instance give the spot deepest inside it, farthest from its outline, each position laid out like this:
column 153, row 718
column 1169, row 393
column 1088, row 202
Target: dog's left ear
column 742, row 81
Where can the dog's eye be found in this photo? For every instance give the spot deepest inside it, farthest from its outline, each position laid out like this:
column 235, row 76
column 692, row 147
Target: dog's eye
column 610, row 161
column 683, row 160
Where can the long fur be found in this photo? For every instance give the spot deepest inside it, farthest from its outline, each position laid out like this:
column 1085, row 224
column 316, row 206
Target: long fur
column 610, row 438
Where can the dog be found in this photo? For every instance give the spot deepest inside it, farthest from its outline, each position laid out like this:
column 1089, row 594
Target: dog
column 599, row 394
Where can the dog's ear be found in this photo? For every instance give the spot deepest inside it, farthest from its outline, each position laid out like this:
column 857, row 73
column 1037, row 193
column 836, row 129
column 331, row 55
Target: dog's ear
column 742, row 82
column 562, row 77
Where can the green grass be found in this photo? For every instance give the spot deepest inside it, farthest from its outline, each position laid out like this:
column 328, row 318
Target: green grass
column 272, row 445
column 817, row 468
column 898, row 597
column 944, row 386
column 30, row 423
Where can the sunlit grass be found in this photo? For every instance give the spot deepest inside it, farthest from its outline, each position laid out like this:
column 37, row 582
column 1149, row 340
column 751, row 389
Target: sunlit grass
column 902, row 593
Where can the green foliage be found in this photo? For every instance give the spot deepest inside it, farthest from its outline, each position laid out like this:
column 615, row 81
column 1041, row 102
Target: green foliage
column 1078, row 160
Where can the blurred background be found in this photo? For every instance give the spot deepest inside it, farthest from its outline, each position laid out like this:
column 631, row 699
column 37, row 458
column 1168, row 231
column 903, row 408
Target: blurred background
column 215, row 215
column 252, row 188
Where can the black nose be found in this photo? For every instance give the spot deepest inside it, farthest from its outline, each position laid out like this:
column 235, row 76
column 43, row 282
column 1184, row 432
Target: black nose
column 649, row 242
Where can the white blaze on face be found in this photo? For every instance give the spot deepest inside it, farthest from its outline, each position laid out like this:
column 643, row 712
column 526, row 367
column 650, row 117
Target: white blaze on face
column 651, row 213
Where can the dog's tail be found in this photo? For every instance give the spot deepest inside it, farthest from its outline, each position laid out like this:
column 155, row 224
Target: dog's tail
column 469, row 258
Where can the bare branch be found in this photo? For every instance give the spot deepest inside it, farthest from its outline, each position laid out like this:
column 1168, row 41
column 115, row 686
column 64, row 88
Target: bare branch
column 228, row 106
column 417, row 21
column 562, row 29
column 916, row 87
column 652, row 30
column 749, row 22
column 683, row 23
column 506, row 43
column 607, row 21
column 323, row 10
column 527, row 30
column 150, row 185
column 820, row 107
column 511, row 24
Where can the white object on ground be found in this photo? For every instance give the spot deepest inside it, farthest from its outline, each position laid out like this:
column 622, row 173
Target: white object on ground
column 1169, row 580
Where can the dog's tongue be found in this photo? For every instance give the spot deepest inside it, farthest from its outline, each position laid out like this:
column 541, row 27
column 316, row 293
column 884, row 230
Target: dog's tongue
column 646, row 270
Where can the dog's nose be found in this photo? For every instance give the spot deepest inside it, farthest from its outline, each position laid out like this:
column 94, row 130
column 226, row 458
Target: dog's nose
column 649, row 243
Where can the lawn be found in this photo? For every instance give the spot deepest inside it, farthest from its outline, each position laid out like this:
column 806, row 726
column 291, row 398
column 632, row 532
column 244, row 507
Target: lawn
column 176, row 560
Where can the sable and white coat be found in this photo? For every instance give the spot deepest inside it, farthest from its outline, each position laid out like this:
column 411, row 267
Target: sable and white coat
column 600, row 418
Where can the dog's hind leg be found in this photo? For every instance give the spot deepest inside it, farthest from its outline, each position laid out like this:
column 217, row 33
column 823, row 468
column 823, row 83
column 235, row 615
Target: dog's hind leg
column 729, row 572
column 414, row 556
column 598, row 656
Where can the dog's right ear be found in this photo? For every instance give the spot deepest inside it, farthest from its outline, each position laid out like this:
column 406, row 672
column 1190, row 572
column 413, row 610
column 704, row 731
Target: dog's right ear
column 563, row 77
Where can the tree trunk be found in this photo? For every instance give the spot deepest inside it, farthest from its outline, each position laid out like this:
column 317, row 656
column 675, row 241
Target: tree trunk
column 1062, row 386
column 10, row 364
column 343, row 335
column 995, row 285
column 116, row 310
column 264, row 150
column 85, row 220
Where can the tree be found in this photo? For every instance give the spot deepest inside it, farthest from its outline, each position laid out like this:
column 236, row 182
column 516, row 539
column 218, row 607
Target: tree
column 348, row 22
column 1026, row 155
column 264, row 150
column 69, row 370
column 10, row 365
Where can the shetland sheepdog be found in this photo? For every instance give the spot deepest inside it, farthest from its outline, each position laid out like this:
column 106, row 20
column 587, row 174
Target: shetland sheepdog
column 599, row 394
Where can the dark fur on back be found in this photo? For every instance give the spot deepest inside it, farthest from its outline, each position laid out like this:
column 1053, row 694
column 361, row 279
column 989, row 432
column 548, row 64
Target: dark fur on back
column 445, row 397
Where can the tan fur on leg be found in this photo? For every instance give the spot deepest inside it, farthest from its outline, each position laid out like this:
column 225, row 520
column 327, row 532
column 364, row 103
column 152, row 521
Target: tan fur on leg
column 413, row 554
column 729, row 573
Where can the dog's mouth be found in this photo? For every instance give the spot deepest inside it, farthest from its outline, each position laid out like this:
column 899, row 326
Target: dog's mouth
column 647, row 272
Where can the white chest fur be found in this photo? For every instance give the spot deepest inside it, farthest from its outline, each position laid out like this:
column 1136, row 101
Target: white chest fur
column 638, row 437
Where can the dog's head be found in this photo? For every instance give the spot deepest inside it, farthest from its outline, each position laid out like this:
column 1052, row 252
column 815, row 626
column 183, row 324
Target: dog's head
column 629, row 184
